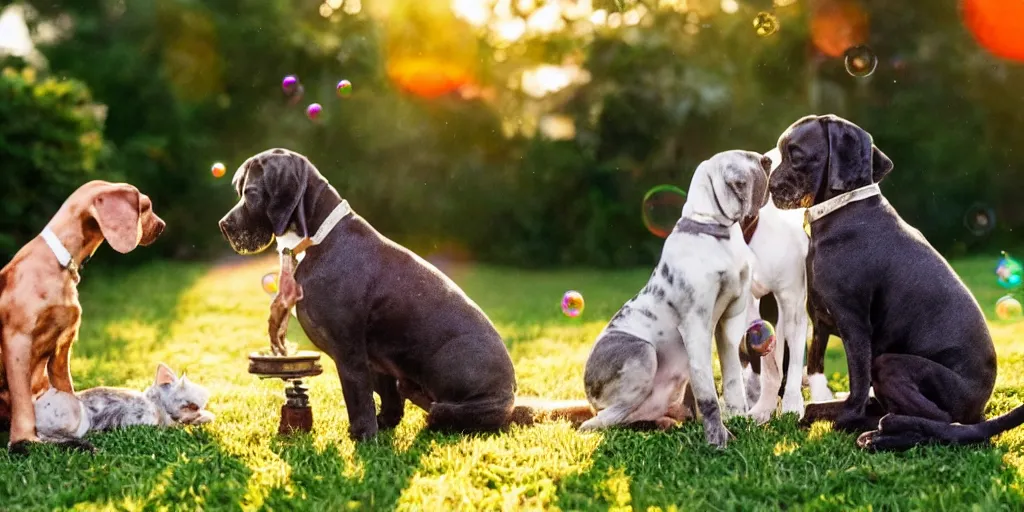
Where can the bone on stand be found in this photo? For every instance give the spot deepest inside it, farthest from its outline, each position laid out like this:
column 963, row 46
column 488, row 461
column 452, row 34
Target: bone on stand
column 288, row 294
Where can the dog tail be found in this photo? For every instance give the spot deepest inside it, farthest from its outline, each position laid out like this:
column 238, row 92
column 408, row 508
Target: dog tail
column 1000, row 424
column 528, row 411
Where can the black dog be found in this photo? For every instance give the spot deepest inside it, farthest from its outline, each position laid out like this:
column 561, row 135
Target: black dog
column 909, row 325
column 392, row 323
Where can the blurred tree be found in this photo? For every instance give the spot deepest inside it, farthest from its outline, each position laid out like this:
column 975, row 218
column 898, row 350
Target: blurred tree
column 51, row 141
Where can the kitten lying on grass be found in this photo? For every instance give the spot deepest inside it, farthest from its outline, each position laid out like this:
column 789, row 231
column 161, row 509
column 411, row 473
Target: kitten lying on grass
column 169, row 401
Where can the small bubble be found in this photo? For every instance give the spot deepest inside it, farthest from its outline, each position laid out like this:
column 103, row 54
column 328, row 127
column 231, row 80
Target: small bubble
column 289, row 84
column 766, row 24
column 269, row 283
column 1008, row 308
column 760, row 337
column 661, row 209
column 218, row 170
column 572, row 304
column 980, row 219
column 313, row 111
column 1009, row 272
column 860, row 61
column 344, row 89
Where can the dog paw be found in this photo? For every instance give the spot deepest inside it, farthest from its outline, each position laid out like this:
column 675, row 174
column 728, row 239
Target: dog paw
column 591, row 425
column 22, row 448
column 794, row 405
column 77, row 445
column 761, row 414
column 362, row 433
column 717, row 435
column 388, row 421
column 819, row 388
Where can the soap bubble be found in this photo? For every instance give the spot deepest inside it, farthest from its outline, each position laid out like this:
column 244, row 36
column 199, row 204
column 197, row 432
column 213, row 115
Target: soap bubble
column 289, row 84
column 572, row 303
column 980, row 219
column 218, row 170
column 1008, row 308
column 344, row 89
column 269, row 283
column 860, row 61
column 313, row 111
column 760, row 337
column 1010, row 272
column 662, row 207
column 766, row 24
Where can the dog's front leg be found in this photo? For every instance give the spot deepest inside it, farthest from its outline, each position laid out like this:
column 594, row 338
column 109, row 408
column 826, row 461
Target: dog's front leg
column 392, row 405
column 357, row 382
column 856, row 335
column 696, row 332
column 17, row 354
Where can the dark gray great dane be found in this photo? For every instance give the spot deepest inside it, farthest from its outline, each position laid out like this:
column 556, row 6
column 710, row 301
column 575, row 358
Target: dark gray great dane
column 909, row 325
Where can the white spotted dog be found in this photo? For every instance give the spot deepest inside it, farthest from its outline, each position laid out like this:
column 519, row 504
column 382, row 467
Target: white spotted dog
column 778, row 251
column 660, row 340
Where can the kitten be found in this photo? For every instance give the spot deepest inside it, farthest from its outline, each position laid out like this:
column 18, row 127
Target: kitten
column 170, row 400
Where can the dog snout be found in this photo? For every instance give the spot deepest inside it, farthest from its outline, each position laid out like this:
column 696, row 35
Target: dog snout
column 152, row 229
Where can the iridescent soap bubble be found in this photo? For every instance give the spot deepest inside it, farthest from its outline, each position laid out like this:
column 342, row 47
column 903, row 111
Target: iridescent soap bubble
column 1008, row 308
column 572, row 303
column 218, row 170
column 980, row 219
column 313, row 111
column 344, row 89
column 289, row 84
column 760, row 337
column 766, row 24
column 860, row 61
column 661, row 209
column 1009, row 272
column 269, row 283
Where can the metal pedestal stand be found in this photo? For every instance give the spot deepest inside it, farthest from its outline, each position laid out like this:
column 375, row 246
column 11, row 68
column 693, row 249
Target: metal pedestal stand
column 296, row 413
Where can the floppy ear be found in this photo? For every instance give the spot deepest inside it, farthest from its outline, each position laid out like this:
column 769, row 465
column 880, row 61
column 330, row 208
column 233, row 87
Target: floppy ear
column 732, row 192
column 880, row 164
column 117, row 211
column 759, row 196
column 164, row 375
column 285, row 177
column 849, row 156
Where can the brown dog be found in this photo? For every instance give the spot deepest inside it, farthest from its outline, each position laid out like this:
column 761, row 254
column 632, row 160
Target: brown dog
column 39, row 310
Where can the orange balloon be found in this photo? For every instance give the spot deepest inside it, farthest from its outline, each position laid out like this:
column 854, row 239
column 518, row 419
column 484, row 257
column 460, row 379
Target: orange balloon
column 997, row 25
column 837, row 25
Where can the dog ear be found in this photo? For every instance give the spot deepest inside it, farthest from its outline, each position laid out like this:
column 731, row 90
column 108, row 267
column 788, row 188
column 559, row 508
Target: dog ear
column 731, row 188
column 118, row 211
column 285, row 177
column 849, row 157
column 759, row 196
column 880, row 164
column 164, row 375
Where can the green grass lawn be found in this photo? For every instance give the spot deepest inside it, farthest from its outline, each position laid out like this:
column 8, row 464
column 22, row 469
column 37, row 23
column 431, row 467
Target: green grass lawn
column 204, row 320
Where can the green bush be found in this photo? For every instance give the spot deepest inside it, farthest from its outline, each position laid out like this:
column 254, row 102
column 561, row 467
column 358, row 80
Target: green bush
column 51, row 141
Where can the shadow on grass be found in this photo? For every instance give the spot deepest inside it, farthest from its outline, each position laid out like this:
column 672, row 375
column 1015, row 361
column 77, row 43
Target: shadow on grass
column 780, row 466
column 134, row 468
column 374, row 478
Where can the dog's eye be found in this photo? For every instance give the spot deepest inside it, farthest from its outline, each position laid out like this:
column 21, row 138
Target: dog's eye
column 192, row 407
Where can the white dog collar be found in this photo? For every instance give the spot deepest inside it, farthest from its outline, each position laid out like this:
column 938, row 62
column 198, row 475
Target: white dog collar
column 325, row 228
column 820, row 210
column 63, row 255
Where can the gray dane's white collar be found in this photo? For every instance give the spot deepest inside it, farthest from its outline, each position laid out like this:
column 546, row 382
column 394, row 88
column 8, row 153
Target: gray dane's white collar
column 63, row 255
column 820, row 210
column 299, row 246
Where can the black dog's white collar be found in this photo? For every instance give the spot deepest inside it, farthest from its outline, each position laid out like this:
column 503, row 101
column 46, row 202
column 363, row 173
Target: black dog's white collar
column 339, row 212
column 820, row 210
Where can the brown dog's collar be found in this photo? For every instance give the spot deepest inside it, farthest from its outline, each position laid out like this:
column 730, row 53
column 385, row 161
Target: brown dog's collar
column 63, row 255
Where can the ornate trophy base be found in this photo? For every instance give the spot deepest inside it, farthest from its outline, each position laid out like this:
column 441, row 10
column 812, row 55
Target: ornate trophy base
column 296, row 413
